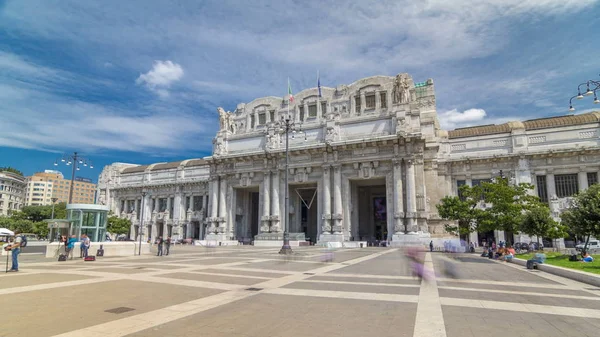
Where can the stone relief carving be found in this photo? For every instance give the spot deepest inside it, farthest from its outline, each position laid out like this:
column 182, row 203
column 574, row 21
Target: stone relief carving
column 401, row 90
column 331, row 134
column 426, row 103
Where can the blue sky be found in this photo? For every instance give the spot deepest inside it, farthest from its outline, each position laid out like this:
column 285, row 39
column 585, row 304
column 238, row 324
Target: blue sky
column 139, row 81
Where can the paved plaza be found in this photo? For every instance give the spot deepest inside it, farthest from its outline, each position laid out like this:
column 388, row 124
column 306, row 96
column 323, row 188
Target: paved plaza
column 250, row 291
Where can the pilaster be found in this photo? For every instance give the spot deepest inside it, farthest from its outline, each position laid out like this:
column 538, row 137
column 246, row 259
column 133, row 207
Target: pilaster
column 411, row 197
column 337, row 200
column 398, row 202
column 266, row 203
column 326, row 217
column 275, row 220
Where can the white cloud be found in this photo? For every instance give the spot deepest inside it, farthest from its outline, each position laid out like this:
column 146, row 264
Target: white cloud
column 453, row 118
column 161, row 76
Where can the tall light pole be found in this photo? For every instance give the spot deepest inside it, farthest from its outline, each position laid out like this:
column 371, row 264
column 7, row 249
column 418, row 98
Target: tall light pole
column 76, row 161
column 592, row 87
column 286, row 125
column 141, row 222
column 53, row 202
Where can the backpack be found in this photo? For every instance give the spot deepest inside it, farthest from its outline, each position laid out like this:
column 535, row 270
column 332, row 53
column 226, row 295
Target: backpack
column 23, row 241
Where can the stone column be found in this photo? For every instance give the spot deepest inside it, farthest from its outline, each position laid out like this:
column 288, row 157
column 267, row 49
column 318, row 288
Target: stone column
column 411, row 197
column 214, row 206
column 377, row 100
column 191, row 207
column 326, row 199
column 275, row 220
column 306, row 114
column 156, row 204
column 320, row 112
column 337, row 199
column 363, row 103
column 398, row 202
column 169, row 201
column 266, row 199
column 222, row 204
column 583, row 183
column 550, row 186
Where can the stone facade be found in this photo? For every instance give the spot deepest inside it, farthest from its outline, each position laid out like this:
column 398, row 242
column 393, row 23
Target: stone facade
column 369, row 162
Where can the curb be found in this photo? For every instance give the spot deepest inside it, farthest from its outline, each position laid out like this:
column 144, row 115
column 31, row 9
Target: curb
column 571, row 274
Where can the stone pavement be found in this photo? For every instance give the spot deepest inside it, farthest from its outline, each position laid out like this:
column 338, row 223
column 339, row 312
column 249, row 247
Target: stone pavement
column 251, row 291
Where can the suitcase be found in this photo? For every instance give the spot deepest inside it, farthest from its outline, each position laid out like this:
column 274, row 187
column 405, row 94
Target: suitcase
column 100, row 251
column 90, row 258
column 62, row 257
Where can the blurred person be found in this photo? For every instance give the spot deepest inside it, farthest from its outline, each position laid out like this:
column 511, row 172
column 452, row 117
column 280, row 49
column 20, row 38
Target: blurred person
column 431, row 246
column 167, row 245
column 159, row 246
column 586, row 257
column 15, row 249
column 85, row 245
column 70, row 244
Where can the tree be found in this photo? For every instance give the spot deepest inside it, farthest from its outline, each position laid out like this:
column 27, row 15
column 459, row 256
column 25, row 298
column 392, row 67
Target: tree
column 118, row 225
column 462, row 209
column 538, row 222
column 583, row 216
column 11, row 169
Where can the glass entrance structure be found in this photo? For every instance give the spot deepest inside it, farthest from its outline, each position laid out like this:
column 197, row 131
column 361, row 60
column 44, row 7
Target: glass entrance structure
column 88, row 219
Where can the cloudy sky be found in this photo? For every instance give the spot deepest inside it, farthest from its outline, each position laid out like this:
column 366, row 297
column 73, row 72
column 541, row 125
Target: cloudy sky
column 139, row 81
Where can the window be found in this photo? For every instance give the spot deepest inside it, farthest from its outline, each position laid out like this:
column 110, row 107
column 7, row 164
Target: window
column 262, row 118
column 592, row 178
column 383, row 96
column 357, row 104
column 197, row 203
column 162, row 204
column 477, row 182
column 272, row 115
column 460, row 183
column 370, row 101
column 566, row 185
column 252, row 122
column 312, row 110
column 323, row 108
column 541, row 188
column 301, row 110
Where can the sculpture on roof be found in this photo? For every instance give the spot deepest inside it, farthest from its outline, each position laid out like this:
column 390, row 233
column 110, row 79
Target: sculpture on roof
column 224, row 119
column 401, row 90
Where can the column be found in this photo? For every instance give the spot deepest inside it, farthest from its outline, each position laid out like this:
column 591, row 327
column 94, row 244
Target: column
column 214, row 201
column 223, row 203
column 550, row 186
column 306, row 114
column 169, row 198
column 319, row 111
column 363, row 103
column 156, row 204
column 266, row 210
column 191, row 207
column 337, row 199
column 275, row 219
column 398, row 202
column 326, row 199
column 377, row 101
column 583, row 183
column 411, row 196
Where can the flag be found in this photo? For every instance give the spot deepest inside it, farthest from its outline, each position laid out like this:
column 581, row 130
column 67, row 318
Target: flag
column 291, row 96
column 319, row 83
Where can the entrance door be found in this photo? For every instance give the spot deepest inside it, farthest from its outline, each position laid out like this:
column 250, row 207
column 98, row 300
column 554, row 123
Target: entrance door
column 380, row 218
column 370, row 210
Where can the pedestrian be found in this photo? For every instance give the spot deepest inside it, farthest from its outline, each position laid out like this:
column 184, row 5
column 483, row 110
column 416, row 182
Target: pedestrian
column 81, row 246
column 70, row 244
column 15, row 249
column 85, row 245
column 159, row 242
column 431, row 246
column 168, row 244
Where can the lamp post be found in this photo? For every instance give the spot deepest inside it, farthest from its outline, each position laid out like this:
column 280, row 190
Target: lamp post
column 53, row 202
column 141, row 223
column 76, row 161
column 592, row 86
column 287, row 125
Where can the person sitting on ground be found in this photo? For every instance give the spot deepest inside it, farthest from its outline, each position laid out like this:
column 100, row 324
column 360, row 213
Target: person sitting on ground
column 586, row 257
column 509, row 253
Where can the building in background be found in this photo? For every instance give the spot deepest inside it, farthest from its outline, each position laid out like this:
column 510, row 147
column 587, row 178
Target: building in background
column 12, row 192
column 43, row 186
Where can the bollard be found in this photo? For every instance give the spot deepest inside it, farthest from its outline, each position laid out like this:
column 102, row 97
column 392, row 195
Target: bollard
column 361, row 245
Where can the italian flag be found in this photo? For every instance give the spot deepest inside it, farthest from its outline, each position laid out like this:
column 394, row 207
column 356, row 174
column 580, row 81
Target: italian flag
column 291, row 96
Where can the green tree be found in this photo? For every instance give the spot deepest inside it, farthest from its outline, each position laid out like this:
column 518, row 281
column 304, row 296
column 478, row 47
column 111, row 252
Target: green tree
column 463, row 209
column 583, row 217
column 118, row 225
column 11, row 169
column 538, row 222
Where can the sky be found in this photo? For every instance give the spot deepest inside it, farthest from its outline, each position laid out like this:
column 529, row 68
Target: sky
column 139, row 81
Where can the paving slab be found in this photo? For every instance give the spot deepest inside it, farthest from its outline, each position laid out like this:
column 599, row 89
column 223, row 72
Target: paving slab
column 282, row 265
column 243, row 272
column 121, row 270
column 46, row 313
column 291, row 316
column 366, row 279
column 517, row 287
column 214, row 278
column 23, row 280
column 212, row 261
column 359, row 288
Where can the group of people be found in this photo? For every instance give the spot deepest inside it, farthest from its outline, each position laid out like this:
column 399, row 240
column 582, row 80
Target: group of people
column 84, row 245
column 160, row 243
column 499, row 252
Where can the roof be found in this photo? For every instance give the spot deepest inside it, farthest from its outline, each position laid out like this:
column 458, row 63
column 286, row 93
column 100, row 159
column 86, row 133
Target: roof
column 532, row 124
column 166, row 166
column 135, row 169
column 196, row 162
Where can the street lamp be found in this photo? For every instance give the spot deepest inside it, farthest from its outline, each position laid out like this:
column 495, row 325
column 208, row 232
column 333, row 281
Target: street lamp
column 592, row 87
column 76, row 161
column 53, row 202
column 287, row 125
column 141, row 222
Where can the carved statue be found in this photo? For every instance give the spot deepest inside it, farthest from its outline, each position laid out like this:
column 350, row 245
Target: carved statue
column 401, row 90
column 224, row 119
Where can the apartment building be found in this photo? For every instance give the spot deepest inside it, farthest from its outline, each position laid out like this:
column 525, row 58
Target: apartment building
column 43, row 186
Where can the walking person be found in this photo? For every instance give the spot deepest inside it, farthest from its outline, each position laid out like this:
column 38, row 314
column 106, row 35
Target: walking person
column 15, row 249
column 431, row 246
column 159, row 246
column 85, row 245
column 168, row 244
